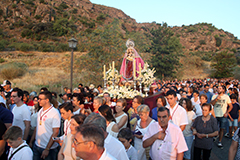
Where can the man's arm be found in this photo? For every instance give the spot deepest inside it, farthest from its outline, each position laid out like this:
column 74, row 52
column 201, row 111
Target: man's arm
column 50, row 143
column 32, row 138
column 232, row 150
column 8, row 125
column 148, row 142
column 2, row 147
column 180, row 156
column 182, row 127
column 213, row 102
column 26, row 130
column 229, row 109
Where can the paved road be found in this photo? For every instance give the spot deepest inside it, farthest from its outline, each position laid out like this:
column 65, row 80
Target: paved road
column 221, row 153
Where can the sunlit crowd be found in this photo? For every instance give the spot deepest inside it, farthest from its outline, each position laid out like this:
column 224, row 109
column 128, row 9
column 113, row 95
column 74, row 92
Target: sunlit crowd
column 186, row 119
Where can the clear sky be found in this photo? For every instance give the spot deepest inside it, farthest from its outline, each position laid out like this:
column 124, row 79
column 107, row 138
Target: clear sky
column 223, row 14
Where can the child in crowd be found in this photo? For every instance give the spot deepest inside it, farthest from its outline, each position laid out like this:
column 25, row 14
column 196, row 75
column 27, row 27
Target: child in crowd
column 126, row 137
column 233, row 116
column 19, row 149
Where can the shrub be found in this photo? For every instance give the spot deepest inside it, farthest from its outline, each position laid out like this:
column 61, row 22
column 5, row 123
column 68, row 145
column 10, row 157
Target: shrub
column 201, row 42
column 62, row 6
column 13, row 70
column 2, row 60
column 14, row 6
column 61, row 47
column 218, row 40
column 26, row 47
column 38, row 17
column 1, row 12
column 26, row 33
column 208, row 33
column 192, row 29
column 101, row 17
column 75, row 11
column 42, row 1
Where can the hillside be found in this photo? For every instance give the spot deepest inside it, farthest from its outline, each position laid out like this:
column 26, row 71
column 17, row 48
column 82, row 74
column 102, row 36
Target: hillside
column 54, row 21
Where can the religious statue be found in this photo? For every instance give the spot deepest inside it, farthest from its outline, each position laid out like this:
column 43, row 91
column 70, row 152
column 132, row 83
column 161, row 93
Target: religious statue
column 127, row 68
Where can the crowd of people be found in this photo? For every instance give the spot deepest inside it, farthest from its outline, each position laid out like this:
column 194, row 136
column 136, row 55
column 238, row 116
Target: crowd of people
column 188, row 116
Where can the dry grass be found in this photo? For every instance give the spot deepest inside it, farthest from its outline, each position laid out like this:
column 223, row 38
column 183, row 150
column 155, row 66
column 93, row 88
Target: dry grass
column 52, row 70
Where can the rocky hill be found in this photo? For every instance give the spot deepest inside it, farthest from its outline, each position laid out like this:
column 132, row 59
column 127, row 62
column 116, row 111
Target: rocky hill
column 54, row 21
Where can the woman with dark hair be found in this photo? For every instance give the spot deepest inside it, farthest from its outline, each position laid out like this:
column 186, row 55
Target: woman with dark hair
column 161, row 102
column 112, row 127
column 187, row 132
column 204, row 128
column 67, row 152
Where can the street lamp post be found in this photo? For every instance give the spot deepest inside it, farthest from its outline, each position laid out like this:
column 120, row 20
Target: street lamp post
column 72, row 44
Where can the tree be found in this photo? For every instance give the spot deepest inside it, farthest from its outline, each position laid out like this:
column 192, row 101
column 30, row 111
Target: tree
column 105, row 45
column 165, row 48
column 224, row 64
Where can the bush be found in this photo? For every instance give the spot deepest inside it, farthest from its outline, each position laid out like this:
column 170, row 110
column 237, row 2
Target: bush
column 26, row 47
column 61, row 47
column 75, row 11
column 13, row 70
column 2, row 60
column 208, row 33
column 201, row 42
column 38, row 17
column 14, row 6
column 1, row 12
column 42, row 1
column 62, row 6
column 3, row 44
column 218, row 40
column 192, row 29
column 26, row 33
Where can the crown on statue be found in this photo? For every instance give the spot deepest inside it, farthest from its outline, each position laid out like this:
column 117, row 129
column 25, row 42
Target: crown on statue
column 130, row 43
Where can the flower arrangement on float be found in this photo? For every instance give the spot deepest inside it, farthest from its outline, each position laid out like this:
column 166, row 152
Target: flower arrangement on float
column 110, row 74
column 146, row 75
column 121, row 92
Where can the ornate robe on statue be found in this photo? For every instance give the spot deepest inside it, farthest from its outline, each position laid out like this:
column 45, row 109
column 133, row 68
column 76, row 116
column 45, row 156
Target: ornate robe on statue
column 127, row 66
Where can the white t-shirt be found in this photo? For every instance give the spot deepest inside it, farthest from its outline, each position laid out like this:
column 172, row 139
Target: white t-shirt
column 66, row 129
column 195, row 103
column 77, row 111
column 50, row 119
column 179, row 115
column 187, row 131
column 220, row 106
column 2, row 100
column 23, row 154
column 172, row 144
column 115, row 148
column 198, row 110
column 106, row 156
column 21, row 114
column 132, row 153
column 118, row 119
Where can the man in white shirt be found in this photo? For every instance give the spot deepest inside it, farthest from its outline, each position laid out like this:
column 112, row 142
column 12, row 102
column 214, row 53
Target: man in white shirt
column 66, row 110
column 21, row 112
column 89, row 143
column 19, row 149
column 111, row 144
column 165, row 138
column 177, row 112
column 48, row 124
column 220, row 103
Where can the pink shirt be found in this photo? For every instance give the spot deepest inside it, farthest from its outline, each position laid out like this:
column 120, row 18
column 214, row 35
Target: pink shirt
column 172, row 144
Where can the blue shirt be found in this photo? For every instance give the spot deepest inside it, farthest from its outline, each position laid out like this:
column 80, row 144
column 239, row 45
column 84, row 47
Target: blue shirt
column 209, row 95
column 6, row 116
column 154, row 114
